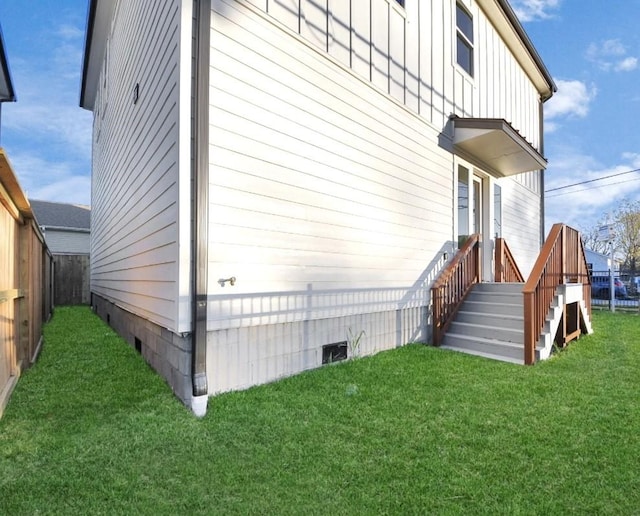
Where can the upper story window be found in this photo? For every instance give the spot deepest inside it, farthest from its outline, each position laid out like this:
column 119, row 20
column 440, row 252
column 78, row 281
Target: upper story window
column 401, row 2
column 464, row 39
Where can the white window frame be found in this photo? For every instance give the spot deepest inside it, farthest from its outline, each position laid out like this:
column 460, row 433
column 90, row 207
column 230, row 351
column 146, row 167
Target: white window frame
column 461, row 36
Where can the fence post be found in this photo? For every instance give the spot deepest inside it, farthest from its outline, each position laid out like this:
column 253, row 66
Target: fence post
column 612, row 289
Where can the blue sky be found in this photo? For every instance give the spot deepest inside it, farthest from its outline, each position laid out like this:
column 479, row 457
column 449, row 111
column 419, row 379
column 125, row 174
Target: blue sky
column 46, row 135
column 591, row 48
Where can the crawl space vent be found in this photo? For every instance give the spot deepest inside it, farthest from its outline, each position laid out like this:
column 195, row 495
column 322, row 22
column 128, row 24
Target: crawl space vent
column 334, row 352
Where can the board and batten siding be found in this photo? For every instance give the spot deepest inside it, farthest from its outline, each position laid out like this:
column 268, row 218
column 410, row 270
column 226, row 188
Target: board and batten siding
column 328, row 202
column 409, row 53
column 138, row 193
column 316, row 178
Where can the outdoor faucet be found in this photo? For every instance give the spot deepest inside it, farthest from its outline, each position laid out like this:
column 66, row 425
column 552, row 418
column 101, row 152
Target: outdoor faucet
column 231, row 281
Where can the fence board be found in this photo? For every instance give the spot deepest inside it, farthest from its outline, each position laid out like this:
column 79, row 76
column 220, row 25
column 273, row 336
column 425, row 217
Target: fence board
column 25, row 289
column 71, row 283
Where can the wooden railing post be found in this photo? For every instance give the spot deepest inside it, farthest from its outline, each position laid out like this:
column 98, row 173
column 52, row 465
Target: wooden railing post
column 478, row 258
column 563, row 247
column 498, row 270
column 529, row 329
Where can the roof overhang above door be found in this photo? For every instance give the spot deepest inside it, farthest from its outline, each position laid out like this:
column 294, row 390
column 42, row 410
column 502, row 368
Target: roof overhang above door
column 493, row 144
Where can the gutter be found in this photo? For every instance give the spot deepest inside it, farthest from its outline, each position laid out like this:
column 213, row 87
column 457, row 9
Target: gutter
column 542, row 172
column 44, row 227
column 10, row 95
column 91, row 18
column 200, row 206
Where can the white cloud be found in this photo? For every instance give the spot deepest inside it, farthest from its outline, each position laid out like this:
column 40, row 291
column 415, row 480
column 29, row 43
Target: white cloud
column 51, row 180
column 46, row 134
column 572, row 99
column 551, row 127
column 532, row 10
column 627, row 64
column 583, row 205
column 70, row 32
column 611, row 54
column 607, row 48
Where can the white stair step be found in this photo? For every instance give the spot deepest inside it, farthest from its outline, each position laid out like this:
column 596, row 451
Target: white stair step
column 492, row 307
column 499, row 333
column 511, row 288
column 484, row 345
column 514, row 322
column 491, row 356
column 497, row 297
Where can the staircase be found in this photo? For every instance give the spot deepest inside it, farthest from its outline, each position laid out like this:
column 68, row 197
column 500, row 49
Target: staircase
column 514, row 320
column 490, row 323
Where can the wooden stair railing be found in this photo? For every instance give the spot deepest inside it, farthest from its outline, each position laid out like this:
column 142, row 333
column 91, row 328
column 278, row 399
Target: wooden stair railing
column 506, row 269
column 452, row 286
column 561, row 260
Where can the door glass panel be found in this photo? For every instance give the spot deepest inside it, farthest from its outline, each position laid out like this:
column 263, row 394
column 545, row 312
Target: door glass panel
column 463, row 205
column 497, row 210
column 477, row 207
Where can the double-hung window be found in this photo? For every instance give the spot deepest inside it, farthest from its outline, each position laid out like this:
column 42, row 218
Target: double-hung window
column 464, row 39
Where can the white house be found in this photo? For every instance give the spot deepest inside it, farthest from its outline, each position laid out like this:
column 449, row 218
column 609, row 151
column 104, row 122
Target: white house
column 598, row 262
column 271, row 176
column 66, row 227
column 67, row 231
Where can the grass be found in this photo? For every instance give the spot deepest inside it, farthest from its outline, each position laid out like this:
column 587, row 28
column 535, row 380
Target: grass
column 92, row 430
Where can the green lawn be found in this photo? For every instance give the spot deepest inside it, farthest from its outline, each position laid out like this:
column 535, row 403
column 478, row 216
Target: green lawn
column 92, row 430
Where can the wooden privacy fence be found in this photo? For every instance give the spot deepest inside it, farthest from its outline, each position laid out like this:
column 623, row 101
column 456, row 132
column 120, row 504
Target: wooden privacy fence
column 71, row 284
column 561, row 261
column 26, row 276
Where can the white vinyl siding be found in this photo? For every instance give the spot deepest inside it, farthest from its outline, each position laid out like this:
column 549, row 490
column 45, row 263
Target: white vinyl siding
column 421, row 40
column 521, row 223
column 410, row 53
column 135, row 189
column 322, row 188
column 67, row 242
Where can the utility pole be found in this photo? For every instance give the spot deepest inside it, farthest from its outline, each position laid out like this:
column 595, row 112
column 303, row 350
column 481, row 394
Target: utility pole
column 606, row 234
column 612, row 290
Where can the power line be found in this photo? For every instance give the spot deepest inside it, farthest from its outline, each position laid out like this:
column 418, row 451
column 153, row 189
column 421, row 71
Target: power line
column 589, row 188
column 593, row 180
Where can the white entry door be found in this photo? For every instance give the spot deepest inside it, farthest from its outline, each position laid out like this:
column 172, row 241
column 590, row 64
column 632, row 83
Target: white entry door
column 473, row 215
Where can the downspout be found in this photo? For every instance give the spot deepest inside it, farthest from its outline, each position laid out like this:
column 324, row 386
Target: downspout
column 542, row 172
column 543, row 99
column 200, row 205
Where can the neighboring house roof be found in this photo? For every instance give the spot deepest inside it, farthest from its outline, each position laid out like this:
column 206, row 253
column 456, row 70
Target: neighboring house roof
column 56, row 215
column 599, row 262
column 7, row 93
column 596, row 254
